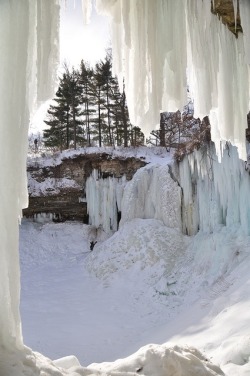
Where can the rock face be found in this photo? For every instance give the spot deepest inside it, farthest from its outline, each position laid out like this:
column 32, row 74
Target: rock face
column 225, row 10
column 59, row 189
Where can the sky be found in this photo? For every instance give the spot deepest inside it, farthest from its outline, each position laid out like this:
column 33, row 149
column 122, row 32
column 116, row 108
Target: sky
column 79, row 41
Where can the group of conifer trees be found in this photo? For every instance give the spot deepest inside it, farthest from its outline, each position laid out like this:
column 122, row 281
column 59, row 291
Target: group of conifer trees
column 89, row 109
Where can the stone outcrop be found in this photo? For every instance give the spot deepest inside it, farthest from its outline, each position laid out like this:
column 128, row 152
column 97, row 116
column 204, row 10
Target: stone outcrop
column 225, row 11
column 59, row 189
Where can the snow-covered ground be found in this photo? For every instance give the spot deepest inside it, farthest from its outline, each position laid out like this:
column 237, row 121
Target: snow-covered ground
column 145, row 284
column 149, row 154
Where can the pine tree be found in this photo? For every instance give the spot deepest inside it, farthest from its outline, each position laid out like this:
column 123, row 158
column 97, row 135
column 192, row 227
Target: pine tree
column 137, row 136
column 89, row 107
column 99, row 122
column 64, row 118
column 71, row 81
column 57, row 135
column 120, row 114
column 87, row 97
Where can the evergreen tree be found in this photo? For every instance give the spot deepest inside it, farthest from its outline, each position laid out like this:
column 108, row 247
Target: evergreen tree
column 72, row 90
column 64, row 117
column 87, row 97
column 99, row 122
column 89, row 107
column 57, row 135
column 120, row 114
column 137, row 136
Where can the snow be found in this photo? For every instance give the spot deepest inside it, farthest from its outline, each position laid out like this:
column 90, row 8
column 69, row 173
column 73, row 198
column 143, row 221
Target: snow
column 146, row 284
column 99, row 305
column 152, row 154
column 50, row 186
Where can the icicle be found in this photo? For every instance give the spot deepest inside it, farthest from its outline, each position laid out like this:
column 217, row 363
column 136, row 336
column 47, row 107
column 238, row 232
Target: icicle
column 87, row 10
column 104, row 200
column 245, row 23
column 235, row 4
column 154, row 57
column 28, row 35
column 214, row 193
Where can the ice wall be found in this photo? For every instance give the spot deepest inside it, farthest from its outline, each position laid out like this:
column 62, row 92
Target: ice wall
column 158, row 60
column 152, row 193
column 215, row 193
column 28, row 31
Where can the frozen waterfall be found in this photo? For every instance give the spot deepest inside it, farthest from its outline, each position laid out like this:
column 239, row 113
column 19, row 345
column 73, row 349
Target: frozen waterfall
column 215, row 193
column 152, row 193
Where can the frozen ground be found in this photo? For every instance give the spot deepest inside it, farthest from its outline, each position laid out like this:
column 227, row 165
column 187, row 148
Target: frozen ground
column 146, row 284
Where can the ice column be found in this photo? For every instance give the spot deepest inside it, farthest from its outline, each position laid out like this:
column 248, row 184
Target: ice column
column 152, row 193
column 104, row 200
column 28, row 31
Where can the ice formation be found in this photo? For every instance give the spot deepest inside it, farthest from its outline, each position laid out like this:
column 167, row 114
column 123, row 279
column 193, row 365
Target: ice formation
column 104, row 200
column 214, row 193
column 29, row 52
column 202, row 54
column 152, row 193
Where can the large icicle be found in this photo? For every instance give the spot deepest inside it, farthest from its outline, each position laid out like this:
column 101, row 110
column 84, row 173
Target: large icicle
column 153, row 53
column 150, row 51
column 23, row 37
column 218, row 75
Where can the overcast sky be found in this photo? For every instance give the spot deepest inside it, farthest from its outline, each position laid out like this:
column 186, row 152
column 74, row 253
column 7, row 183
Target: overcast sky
column 79, row 41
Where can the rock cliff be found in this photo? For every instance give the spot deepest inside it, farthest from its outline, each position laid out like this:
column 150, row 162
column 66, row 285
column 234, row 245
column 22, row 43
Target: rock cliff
column 57, row 188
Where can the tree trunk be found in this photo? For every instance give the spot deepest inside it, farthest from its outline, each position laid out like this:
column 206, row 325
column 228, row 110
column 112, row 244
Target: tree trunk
column 162, row 131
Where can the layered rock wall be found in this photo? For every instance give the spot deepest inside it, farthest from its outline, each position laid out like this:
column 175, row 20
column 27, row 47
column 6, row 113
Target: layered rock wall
column 59, row 188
